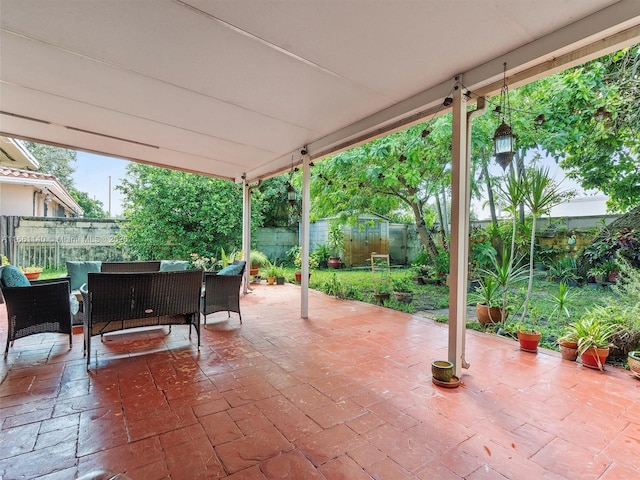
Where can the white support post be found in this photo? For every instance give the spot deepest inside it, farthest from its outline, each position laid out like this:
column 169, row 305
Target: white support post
column 459, row 230
column 306, row 200
column 246, row 232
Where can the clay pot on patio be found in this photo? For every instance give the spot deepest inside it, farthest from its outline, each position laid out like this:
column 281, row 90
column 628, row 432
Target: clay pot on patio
column 488, row 315
column 567, row 353
column 633, row 359
column 568, row 349
column 595, row 357
column 529, row 341
column 442, row 370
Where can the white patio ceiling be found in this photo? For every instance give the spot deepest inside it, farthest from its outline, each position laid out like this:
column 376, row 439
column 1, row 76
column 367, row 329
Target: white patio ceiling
column 238, row 87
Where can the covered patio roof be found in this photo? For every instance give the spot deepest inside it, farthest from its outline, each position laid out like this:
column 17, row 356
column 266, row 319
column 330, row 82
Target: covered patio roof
column 236, row 89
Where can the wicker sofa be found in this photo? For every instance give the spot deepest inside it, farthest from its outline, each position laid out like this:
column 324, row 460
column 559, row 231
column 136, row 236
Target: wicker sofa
column 118, row 300
column 78, row 271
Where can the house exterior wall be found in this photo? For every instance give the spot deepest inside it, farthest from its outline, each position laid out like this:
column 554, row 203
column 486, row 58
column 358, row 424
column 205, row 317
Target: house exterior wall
column 19, row 200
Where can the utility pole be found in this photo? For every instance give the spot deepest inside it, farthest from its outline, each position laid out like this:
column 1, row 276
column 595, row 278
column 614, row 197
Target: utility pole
column 109, row 196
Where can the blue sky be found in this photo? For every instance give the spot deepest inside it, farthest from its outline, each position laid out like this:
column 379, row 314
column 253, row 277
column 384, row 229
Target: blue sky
column 92, row 176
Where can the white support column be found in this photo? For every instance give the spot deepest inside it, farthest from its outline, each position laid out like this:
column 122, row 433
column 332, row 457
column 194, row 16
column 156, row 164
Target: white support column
column 459, row 230
column 246, row 232
column 306, row 201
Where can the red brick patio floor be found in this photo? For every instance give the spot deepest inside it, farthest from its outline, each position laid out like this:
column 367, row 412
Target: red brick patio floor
column 345, row 394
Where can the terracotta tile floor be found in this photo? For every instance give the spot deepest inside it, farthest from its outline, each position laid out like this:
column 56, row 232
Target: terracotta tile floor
column 346, row 394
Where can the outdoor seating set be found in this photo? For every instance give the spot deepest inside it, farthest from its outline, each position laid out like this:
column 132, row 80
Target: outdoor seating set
column 117, row 296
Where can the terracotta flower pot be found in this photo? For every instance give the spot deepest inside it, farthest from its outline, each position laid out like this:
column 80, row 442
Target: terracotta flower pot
column 32, row 275
column 568, row 350
column 633, row 359
column 529, row 341
column 568, row 353
column 299, row 276
column 595, row 357
column 334, row 262
column 487, row 315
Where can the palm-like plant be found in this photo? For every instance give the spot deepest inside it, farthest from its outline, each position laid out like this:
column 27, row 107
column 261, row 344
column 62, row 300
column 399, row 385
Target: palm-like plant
column 561, row 300
column 540, row 193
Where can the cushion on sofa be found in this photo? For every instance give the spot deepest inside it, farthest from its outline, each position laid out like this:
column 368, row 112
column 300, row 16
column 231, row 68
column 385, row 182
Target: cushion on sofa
column 231, row 270
column 13, row 277
column 78, row 271
column 173, row 265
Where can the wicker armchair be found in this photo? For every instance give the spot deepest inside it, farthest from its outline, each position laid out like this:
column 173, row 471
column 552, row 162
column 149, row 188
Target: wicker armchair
column 42, row 307
column 222, row 293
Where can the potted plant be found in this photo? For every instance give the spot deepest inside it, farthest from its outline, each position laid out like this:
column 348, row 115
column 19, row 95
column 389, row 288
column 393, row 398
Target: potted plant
column 32, row 272
column 568, row 346
column 633, row 359
column 403, row 290
column 611, row 268
column 322, row 254
column 272, row 272
column 279, row 275
column 335, row 244
column 597, row 273
column 493, row 286
column 257, row 259
column 592, row 334
column 488, row 296
column 297, row 261
column 381, row 293
column 528, row 334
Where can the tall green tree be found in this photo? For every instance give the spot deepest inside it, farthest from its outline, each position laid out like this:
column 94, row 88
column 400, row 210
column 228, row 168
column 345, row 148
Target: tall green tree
column 55, row 161
column 399, row 173
column 59, row 162
column 592, row 123
column 92, row 208
column 172, row 214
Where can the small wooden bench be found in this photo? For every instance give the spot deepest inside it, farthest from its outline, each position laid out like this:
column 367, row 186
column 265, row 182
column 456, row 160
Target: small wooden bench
column 118, row 301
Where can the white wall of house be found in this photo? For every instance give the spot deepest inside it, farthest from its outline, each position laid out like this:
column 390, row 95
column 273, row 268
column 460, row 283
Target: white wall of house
column 26, row 201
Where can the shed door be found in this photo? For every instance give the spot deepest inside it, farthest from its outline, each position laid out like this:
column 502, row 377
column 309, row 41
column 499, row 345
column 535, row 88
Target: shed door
column 363, row 241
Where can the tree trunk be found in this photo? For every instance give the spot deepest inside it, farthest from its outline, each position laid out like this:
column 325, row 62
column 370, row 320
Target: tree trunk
column 423, row 231
column 490, row 198
column 521, row 172
column 441, row 219
column 445, row 212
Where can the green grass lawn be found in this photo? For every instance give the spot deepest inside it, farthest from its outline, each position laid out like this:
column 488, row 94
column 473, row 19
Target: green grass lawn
column 358, row 284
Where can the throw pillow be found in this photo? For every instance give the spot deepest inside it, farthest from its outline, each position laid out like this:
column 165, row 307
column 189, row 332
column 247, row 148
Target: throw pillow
column 173, row 265
column 13, row 277
column 78, row 272
column 231, row 270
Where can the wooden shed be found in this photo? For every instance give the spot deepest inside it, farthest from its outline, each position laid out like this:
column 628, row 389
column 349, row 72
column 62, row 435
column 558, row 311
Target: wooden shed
column 369, row 235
